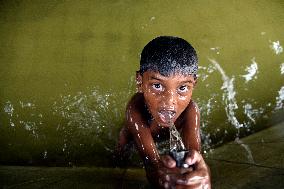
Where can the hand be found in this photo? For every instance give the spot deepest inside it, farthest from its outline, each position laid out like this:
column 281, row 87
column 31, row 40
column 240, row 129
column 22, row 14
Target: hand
column 167, row 175
column 163, row 175
column 199, row 177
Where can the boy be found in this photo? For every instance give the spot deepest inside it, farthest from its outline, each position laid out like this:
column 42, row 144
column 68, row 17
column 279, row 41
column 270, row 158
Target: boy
column 165, row 81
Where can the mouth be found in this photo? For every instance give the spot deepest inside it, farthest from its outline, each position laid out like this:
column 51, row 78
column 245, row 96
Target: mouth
column 167, row 116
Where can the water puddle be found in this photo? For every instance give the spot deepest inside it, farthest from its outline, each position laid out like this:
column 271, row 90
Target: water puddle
column 247, row 149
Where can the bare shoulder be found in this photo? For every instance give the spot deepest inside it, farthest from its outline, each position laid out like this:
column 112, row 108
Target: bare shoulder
column 135, row 110
column 136, row 99
column 193, row 107
column 135, row 105
column 191, row 110
column 191, row 127
column 190, row 116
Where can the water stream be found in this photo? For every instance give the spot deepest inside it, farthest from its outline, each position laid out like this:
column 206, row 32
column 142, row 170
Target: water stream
column 176, row 143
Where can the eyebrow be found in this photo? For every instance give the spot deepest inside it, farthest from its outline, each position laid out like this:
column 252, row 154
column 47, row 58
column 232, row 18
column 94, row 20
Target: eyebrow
column 160, row 79
column 156, row 78
column 187, row 81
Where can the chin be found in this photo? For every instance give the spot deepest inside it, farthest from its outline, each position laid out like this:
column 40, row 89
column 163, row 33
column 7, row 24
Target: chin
column 164, row 124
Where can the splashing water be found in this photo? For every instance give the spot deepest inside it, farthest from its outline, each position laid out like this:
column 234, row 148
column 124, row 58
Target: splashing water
column 176, row 143
column 177, row 148
column 276, row 47
column 252, row 71
column 8, row 108
column 252, row 113
column 205, row 71
column 216, row 49
column 28, row 104
column 44, row 154
column 93, row 113
column 246, row 147
column 228, row 95
column 282, row 69
column 231, row 106
column 280, row 99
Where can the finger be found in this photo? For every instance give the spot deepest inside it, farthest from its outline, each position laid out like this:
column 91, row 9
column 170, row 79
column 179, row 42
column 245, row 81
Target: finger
column 196, row 186
column 187, row 187
column 193, row 178
column 168, row 161
column 194, row 157
column 197, row 180
column 164, row 184
column 164, row 179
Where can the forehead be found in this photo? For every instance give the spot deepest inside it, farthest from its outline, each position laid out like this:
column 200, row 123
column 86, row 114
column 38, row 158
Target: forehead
column 177, row 77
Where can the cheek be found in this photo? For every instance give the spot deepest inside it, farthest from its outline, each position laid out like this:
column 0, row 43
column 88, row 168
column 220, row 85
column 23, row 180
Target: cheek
column 151, row 96
column 148, row 91
column 184, row 101
column 185, row 98
column 150, row 100
column 182, row 98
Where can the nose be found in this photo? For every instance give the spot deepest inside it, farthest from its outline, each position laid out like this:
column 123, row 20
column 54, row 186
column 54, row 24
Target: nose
column 170, row 99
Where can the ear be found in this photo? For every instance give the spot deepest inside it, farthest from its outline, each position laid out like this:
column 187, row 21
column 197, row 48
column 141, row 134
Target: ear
column 195, row 81
column 139, row 82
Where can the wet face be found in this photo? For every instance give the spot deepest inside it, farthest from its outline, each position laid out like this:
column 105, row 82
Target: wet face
column 165, row 97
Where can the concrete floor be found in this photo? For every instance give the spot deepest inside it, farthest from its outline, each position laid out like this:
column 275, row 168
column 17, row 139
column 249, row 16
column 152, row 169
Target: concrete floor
column 256, row 161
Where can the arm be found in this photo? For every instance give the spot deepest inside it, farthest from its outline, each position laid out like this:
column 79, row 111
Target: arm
column 137, row 130
column 191, row 127
column 123, row 148
column 138, row 127
column 199, row 177
column 156, row 171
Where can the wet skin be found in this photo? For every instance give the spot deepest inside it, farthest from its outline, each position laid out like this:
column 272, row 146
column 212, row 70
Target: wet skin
column 159, row 102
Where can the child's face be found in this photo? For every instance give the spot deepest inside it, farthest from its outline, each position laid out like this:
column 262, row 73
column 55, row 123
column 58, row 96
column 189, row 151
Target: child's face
column 165, row 97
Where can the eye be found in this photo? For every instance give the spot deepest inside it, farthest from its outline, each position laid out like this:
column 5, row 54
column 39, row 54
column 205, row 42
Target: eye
column 157, row 86
column 183, row 89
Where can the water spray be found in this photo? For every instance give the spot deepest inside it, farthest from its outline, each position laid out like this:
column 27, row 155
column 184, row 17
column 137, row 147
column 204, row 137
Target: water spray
column 177, row 148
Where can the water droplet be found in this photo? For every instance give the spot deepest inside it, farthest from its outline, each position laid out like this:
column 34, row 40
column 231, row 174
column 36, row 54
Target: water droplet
column 276, row 47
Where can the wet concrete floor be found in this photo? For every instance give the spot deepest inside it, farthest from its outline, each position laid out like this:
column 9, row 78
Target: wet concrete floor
column 256, row 161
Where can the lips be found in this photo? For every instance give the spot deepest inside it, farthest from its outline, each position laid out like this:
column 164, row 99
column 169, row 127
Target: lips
column 167, row 116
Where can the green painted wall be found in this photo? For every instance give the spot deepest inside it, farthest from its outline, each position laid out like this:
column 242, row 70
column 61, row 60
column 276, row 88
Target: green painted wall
column 68, row 67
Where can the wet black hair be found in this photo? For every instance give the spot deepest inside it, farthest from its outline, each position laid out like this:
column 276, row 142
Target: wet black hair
column 168, row 55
